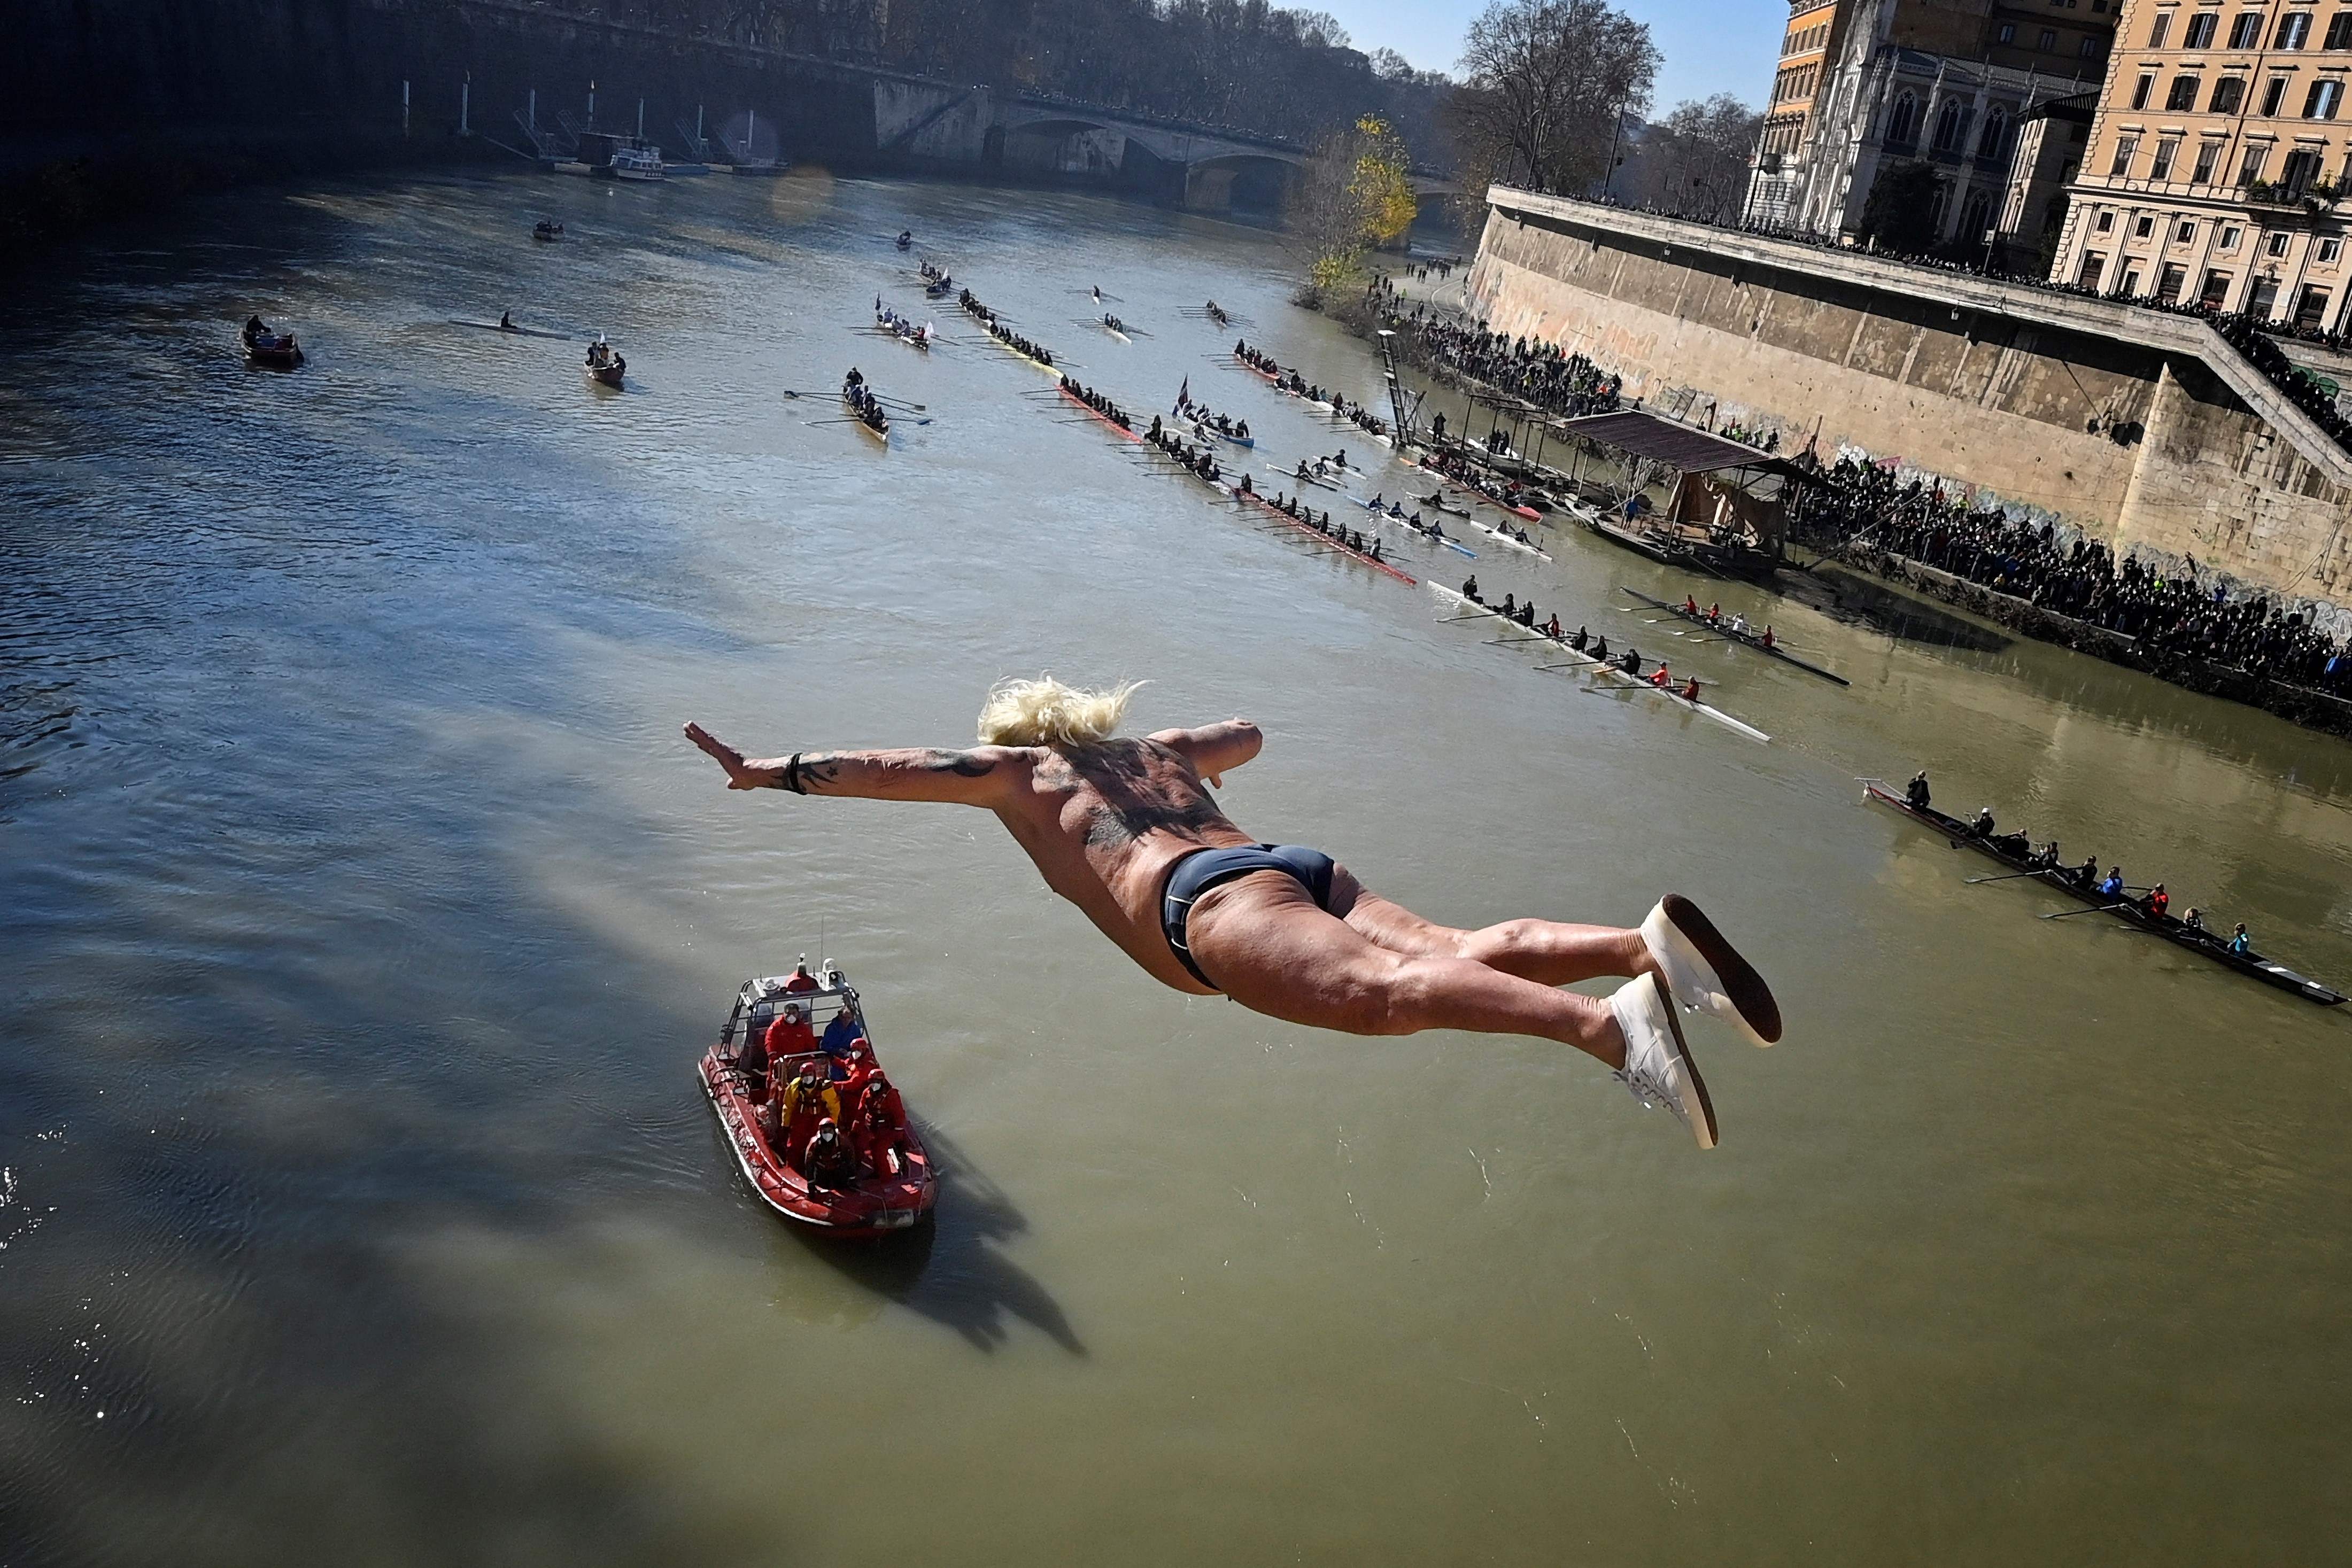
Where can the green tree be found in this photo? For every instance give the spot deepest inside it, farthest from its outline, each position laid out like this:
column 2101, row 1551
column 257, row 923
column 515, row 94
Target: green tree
column 1899, row 214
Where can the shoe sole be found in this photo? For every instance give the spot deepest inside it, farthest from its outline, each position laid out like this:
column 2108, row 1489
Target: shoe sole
column 1703, row 1128
column 1734, row 977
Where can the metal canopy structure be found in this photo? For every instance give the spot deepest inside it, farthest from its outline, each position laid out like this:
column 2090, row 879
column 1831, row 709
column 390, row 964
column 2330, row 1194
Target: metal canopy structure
column 1681, row 447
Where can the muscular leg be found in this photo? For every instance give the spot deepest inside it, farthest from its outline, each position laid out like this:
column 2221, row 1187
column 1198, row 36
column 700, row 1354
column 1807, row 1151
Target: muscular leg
column 1262, row 939
column 1549, row 952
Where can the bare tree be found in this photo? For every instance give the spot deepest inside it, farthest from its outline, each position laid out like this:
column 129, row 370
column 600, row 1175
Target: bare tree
column 1695, row 162
column 1543, row 82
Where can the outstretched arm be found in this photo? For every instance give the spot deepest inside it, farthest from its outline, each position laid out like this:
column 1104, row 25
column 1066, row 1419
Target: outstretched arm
column 1213, row 748
column 978, row 777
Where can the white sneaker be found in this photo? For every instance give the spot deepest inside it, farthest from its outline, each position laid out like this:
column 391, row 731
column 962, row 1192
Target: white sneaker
column 1707, row 972
column 1658, row 1068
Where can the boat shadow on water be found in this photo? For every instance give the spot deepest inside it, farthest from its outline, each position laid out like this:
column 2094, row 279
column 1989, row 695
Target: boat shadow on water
column 952, row 1271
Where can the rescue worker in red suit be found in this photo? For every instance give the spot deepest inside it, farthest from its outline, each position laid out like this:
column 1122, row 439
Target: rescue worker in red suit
column 879, row 1129
column 808, row 1100
column 790, row 1035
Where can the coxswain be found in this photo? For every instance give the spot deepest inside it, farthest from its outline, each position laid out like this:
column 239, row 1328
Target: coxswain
column 2113, row 886
column 2239, row 941
column 2156, row 902
column 1915, row 794
column 1129, row 830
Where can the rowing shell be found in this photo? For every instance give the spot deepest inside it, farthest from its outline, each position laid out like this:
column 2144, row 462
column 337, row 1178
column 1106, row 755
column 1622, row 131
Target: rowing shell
column 1319, row 536
column 1529, row 513
column 1297, row 478
column 857, row 418
column 2251, row 965
column 1211, row 433
column 1106, row 421
column 1406, row 524
column 1500, row 538
column 1745, row 639
column 1608, row 671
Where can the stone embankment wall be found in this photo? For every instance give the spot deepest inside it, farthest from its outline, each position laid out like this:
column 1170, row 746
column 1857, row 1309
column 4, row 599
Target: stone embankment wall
column 2076, row 411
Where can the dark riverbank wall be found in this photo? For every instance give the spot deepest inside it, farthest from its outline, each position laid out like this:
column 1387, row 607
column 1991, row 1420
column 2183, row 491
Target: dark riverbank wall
column 109, row 106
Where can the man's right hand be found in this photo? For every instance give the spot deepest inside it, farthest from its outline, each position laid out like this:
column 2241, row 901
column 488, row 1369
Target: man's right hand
column 741, row 773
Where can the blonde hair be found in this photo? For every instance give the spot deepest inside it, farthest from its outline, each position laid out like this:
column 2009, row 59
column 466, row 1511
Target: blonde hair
column 1044, row 712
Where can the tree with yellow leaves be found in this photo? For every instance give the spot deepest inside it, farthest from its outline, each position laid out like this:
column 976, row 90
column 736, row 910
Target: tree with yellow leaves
column 1355, row 196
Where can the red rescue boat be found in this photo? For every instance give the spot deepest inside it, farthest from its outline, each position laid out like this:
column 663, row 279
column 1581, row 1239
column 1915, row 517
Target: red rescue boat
column 769, row 1096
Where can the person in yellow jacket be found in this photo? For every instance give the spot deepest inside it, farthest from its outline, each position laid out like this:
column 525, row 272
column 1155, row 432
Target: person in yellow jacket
column 808, row 1099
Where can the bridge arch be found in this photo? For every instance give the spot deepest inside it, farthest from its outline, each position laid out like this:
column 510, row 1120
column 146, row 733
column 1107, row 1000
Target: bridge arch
column 1253, row 181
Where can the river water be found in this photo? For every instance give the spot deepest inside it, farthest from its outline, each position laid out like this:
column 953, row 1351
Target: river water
column 364, row 913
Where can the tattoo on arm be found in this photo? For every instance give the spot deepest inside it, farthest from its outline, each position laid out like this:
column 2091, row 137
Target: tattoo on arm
column 962, row 763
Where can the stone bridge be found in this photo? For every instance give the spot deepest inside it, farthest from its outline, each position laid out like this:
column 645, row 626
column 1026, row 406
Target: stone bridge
column 1200, row 168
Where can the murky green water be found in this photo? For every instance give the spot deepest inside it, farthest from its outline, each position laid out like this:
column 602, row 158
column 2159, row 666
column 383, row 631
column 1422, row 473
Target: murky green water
column 364, row 913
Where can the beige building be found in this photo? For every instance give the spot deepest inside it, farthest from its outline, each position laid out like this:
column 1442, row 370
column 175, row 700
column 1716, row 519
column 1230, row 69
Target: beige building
column 2216, row 158
column 1805, row 53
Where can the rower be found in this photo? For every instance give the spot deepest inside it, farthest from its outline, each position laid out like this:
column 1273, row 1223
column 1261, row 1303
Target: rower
column 1661, row 676
column 2086, row 876
column 1632, row 663
column 1982, row 826
column 1551, row 627
column 2154, row 904
column 1510, row 606
column 1915, row 793
column 1690, row 690
column 1577, row 639
column 1600, row 649
column 2194, row 920
column 1690, row 604
column 2239, row 941
column 1767, row 638
column 1470, row 589
column 2048, row 859
column 506, row 321
column 1739, row 625
column 1715, row 614
column 2113, row 886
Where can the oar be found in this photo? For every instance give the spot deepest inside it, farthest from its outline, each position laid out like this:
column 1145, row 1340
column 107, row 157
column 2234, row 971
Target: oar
column 918, row 407
column 2087, row 909
column 2009, row 876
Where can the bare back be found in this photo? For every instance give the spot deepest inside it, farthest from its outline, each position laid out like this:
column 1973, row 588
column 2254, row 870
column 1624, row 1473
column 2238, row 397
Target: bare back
column 1105, row 822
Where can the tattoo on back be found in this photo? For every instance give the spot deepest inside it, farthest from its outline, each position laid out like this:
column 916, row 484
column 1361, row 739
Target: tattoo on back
column 1143, row 791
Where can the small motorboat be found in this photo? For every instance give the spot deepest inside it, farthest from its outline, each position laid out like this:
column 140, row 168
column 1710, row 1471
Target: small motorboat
column 906, row 240
column 547, row 230
column 894, row 1185
column 604, row 367
column 275, row 350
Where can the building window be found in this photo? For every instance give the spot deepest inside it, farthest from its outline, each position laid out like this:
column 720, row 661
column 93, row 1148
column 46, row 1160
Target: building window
column 2170, row 283
column 2183, row 93
column 2227, row 240
column 2217, row 290
column 1949, row 123
column 2048, row 42
column 2167, row 148
column 2127, row 286
column 2141, row 89
column 1996, row 129
column 2293, row 31
column 2009, row 31
column 2106, row 222
column 2158, row 29
column 2124, row 147
column 2250, row 171
column 2339, row 31
column 2312, row 309
column 2301, row 169
column 2200, row 30
column 2184, row 232
column 2329, row 249
column 2144, row 227
column 2276, row 245
column 2246, row 30
column 2228, row 93
column 2271, row 97
column 2208, row 154
column 2093, row 46
column 2263, row 295
column 1903, row 124
column 2321, row 101
column 2094, row 263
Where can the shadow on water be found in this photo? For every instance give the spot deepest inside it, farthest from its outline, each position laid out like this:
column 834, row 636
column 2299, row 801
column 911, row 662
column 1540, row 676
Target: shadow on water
column 953, row 1270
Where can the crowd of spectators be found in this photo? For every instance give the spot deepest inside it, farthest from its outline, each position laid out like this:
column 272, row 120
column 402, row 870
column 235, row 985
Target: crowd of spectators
column 1539, row 374
column 2171, row 614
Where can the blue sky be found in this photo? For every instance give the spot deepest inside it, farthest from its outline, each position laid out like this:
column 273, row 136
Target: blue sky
column 1709, row 47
